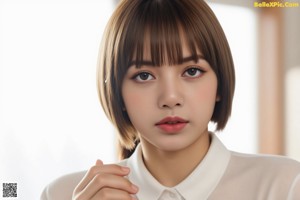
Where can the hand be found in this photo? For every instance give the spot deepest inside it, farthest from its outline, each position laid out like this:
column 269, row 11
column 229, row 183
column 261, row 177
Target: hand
column 105, row 182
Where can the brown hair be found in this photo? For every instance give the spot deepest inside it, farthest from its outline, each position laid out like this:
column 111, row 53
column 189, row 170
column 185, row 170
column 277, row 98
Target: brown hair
column 123, row 41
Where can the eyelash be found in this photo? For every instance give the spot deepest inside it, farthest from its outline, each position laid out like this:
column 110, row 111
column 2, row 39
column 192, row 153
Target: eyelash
column 198, row 70
column 138, row 75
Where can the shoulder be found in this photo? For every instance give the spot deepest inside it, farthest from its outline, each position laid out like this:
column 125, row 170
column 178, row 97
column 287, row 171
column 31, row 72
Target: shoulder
column 268, row 176
column 266, row 163
column 62, row 187
column 269, row 172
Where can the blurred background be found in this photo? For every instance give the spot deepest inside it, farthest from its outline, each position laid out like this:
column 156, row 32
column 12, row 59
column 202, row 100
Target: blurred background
column 51, row 122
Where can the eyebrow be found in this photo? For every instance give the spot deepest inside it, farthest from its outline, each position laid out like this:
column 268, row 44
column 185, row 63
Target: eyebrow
column 150, row 63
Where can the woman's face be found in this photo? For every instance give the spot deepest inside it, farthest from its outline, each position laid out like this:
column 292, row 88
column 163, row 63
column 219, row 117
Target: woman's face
column 170, row 106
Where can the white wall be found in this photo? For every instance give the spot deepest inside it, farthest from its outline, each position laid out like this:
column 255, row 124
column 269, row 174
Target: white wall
column 292, row 113
column 292, row 81
column 51, row 122
column 240, row 133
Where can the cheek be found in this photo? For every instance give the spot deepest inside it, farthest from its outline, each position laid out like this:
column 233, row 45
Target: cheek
column 206, row 92
column 208, row 95
column 204, row 99
column 136, row 101
column 138, row 108
column 131, row 99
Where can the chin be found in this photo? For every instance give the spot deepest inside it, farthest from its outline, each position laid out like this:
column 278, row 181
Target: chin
column 171, row 145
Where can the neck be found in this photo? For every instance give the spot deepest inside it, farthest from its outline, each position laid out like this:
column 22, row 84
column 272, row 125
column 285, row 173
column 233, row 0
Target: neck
column 172, row 167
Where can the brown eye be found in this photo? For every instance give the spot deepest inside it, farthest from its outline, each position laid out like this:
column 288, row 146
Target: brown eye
column 143, row 76
column 193, row 72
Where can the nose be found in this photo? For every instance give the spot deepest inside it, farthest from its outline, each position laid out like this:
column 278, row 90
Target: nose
column 170, row 94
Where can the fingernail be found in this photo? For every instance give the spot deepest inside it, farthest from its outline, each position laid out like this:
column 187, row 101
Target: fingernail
column 125, row 169
column 99, row 162
column 134, row 187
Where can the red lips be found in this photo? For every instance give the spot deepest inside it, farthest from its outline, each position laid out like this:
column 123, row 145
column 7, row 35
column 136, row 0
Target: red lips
column 172, row 124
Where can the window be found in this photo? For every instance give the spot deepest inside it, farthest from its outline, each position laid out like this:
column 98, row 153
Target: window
column 239, row 24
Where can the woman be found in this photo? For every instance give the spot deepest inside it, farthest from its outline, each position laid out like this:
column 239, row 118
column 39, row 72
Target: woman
column 165, row 72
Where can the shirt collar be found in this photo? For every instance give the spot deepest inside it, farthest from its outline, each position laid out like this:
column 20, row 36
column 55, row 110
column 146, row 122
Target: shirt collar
column 198, row 185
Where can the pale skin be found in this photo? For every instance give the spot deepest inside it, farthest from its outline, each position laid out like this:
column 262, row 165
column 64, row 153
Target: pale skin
column 105, row 182
column 188, row 91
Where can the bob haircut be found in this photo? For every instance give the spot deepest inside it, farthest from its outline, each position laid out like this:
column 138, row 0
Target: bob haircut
column 161, row 21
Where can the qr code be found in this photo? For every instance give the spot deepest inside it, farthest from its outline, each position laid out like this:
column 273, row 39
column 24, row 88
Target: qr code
column 9, row 190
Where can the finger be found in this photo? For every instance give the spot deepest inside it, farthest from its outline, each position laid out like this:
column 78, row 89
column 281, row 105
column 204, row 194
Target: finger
column 93, row 171
column 112, row 194
column 99, row 163
column 102, row 181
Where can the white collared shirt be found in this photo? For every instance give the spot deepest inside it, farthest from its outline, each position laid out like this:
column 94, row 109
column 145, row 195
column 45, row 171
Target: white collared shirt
column 221, row 175
column 200, row 183
column 244, row 177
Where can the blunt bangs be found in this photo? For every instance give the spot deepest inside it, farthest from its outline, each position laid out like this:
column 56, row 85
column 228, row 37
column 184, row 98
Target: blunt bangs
column 161, row 27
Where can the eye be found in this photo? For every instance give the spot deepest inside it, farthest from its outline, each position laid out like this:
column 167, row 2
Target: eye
column 143, row 77
column 193, row 72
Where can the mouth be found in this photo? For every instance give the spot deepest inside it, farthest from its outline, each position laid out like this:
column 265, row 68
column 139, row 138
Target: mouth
column 172, row 124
